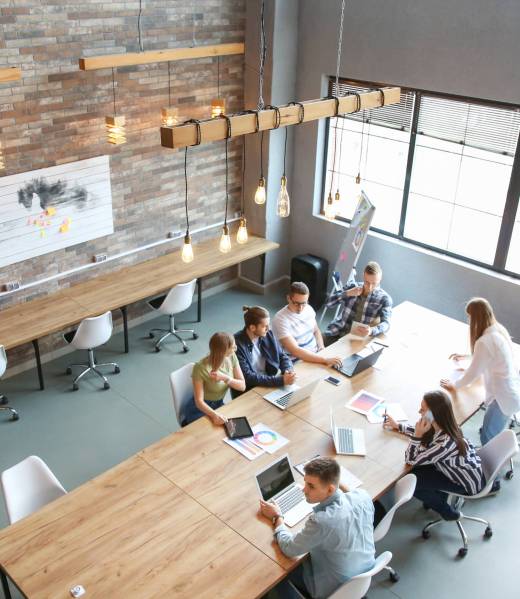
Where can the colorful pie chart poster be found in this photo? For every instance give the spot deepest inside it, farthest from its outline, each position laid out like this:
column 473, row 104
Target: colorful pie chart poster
column 267, row 439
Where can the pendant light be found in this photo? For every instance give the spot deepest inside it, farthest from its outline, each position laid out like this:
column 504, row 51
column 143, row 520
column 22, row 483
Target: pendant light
column 169, row 114
column 2, row 161
column 187, row 250
column 242, row 235
column 260, row 190
column 218, row 104
column 115, row 125
column 283, row 204
column 225, row 239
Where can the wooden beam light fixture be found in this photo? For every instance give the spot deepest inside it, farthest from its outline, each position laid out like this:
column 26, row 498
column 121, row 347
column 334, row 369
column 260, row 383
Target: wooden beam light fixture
column 187, row 133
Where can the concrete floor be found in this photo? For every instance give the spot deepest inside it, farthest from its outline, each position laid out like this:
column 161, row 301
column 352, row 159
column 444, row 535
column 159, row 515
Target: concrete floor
column 81, row 434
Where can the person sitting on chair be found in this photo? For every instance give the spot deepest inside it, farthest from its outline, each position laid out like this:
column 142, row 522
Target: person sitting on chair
column 338, row 535
column 439, row 455
column 262, row 359
column 296, row 328
column 364, row 303
column 212, row 376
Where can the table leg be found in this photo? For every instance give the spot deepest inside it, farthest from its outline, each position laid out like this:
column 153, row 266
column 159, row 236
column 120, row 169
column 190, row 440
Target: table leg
column 5, row 586
column 38, row 363
column 125, row 328
column 199, row 299
column 262, row 269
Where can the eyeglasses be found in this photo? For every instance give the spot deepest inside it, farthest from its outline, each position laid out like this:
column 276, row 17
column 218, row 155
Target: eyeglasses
column 300, row 304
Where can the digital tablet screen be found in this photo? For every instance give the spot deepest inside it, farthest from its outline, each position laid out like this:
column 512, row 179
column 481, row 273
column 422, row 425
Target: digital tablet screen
column 238, row 428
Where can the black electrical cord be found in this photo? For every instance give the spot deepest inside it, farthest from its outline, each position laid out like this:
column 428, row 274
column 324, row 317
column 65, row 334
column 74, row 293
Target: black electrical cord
column 186, row 189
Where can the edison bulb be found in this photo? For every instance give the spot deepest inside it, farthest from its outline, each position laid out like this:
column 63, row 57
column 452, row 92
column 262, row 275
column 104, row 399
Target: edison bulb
column 187, row 250
column 283, row 207
column 225, row 240
column 242, row 231
column 337, row 197
column 330, row 210
column 357, row 186
column 260, row 192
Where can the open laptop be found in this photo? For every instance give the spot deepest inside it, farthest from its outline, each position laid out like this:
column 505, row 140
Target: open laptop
column 365, row 358
column 276, row 482
column 347, row 441
column 290, row 395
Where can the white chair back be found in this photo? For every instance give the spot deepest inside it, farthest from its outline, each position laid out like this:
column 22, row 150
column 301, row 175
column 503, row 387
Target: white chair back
column 182, row 389
column 179, row 298
column 357, row 586
column 3, row 360
column 28, row 486
column 496, row 453
column 403, row 492
column 93, row 332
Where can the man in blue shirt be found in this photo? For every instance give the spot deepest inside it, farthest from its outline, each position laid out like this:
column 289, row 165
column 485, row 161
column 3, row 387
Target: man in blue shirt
column 339, row 535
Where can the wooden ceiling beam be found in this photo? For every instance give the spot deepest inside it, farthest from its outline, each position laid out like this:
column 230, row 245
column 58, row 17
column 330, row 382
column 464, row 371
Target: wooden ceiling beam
column 10, row 74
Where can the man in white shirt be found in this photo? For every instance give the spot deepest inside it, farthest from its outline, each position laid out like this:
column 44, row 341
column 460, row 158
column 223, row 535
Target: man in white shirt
column 296, row 328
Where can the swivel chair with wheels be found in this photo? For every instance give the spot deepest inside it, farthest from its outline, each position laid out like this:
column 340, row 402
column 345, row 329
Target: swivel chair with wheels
column 514, row 424
column 182, row 390
column 3, row 399
column 177, row 300
column 91, row 333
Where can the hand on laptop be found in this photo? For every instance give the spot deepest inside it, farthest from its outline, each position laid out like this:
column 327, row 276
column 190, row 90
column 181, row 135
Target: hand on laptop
column 289, row 377
column 269, row 510
column 334, row 361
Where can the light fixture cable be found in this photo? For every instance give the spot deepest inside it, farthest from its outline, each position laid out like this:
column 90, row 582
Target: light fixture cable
column 139, row 25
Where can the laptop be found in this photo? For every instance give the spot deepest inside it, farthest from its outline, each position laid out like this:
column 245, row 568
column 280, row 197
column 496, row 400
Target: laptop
column 291, row 394
column 276, row 483
column 347, row 441
column 364, row 359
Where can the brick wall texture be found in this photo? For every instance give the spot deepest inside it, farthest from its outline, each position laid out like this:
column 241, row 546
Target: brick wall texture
column 55, row 115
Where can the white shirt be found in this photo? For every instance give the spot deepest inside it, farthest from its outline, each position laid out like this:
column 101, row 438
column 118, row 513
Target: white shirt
column 493, row 358
column 300, row 326
column 256, row 357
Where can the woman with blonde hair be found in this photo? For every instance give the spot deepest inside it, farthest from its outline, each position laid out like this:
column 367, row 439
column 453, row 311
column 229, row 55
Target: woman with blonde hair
column 211, row 377
column 492, row 357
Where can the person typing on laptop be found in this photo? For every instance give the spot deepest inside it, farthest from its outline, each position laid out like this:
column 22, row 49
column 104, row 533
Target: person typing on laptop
column 261, row 358
column 296, row 328
column 338, row 535
column 366, row 308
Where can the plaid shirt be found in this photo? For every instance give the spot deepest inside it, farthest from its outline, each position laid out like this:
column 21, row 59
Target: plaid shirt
column 378, row 305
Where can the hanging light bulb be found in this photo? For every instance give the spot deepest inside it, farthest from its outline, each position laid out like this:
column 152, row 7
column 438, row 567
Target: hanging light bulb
column 218, row 104
column 283, row 207
column 169, row 116
column 330, row 209
column 187, row 249
column 225, row 240
column 242, row 236
column 115, row 126
column 260, row 192
column 337, row 197
column 2, row 161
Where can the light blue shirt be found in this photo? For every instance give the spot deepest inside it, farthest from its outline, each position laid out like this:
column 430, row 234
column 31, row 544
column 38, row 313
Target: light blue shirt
column 339, row 536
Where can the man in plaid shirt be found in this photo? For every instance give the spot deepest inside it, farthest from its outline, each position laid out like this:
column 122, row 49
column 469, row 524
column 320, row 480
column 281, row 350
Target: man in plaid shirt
column 363, row 303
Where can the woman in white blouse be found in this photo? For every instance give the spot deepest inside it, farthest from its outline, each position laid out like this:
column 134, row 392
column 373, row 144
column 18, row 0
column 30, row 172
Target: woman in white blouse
column 493, row 358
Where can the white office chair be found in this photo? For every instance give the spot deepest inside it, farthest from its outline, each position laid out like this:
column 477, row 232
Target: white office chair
column 514, row 424
column 494, row 455
column 3, row 398
column 182, row 390
column 177, row 300
column 91, row 333
column 403, row 492
column 357, row 586
column 28, row 486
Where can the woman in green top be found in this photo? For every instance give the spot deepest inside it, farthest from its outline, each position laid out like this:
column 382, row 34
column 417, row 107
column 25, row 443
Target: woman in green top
column 212, row 376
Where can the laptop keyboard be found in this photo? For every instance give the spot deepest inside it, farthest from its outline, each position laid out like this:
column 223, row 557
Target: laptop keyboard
column 284, row 400
column 290, row 499
column 345, row 440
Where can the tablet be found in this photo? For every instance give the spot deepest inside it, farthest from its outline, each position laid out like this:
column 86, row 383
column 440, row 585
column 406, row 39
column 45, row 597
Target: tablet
column 238, row 428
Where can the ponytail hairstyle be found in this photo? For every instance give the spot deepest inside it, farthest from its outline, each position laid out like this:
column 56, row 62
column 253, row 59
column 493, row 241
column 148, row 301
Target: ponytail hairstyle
column 439, row 403
column 219, row 346
column 253, row 316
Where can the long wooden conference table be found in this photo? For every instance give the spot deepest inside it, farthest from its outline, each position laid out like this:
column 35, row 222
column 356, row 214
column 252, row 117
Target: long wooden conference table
column 181, row 517
column 30, row 321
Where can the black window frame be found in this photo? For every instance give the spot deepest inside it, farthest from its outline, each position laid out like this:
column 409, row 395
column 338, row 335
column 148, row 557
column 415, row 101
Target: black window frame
column 512, row 203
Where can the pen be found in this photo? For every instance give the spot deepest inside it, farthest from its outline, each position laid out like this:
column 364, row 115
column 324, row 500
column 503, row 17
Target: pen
column 384, row 416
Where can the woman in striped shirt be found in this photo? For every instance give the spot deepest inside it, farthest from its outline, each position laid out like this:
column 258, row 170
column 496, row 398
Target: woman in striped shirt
column 439, row 455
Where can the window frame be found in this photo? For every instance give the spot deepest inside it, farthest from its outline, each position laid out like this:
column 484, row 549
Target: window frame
column 512, row 202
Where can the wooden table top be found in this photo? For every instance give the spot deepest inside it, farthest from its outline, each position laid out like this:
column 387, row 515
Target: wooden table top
column 36, row 318
column 131, row 533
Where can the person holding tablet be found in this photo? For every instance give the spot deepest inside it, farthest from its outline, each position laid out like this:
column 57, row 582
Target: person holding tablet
column 439, row 455
column 212, row 376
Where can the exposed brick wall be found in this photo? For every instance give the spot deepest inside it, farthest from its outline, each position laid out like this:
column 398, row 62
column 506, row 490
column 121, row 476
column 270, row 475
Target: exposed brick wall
column 56, row 115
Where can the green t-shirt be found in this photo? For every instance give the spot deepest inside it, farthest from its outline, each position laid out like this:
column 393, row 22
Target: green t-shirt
column 214, row 390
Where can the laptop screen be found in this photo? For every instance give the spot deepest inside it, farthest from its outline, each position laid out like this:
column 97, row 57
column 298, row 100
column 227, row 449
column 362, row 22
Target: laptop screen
column 276, row 478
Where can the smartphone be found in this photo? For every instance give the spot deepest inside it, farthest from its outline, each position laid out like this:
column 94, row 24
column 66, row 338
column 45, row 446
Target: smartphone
column 428, row 416
column 332, row 380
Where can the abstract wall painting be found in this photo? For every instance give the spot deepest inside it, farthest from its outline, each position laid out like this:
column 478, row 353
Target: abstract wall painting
column 54, row 208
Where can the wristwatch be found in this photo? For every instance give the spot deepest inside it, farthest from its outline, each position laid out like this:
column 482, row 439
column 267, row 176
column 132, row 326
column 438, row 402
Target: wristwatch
column 275, row 518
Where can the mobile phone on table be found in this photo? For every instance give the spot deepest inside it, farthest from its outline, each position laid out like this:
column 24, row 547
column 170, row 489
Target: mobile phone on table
column 332, row 380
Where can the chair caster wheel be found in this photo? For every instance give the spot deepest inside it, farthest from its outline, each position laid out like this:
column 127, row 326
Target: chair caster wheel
column 68, row 371
column 151, row 335
column 75, row 387
column 195, row 336
column 185, row 349
column 488, row 533
column 394, row 576
column 425, row 534
column 3, row 400
column 15, row 416
column 117, row 370
column 106, row 386
column 462, row 552
column 157, row 350
column 509, row 475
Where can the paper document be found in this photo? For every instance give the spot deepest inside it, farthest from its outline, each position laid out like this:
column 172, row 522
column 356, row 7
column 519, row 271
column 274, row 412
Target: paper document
column 376, row 415
column 246, row 447
column 267, row 439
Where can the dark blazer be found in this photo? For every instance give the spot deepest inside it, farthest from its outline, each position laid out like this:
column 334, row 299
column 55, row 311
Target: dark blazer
column 275, row 359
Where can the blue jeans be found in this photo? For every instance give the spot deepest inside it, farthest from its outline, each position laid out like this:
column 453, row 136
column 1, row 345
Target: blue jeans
column 431, row 489
column 192, row 413
column 495, row 421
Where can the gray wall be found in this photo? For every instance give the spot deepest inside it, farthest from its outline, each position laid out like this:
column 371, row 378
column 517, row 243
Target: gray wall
column 469, row 47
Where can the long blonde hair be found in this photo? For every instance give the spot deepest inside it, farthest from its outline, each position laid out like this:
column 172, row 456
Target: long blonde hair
column 481, row 316
column 219, row 346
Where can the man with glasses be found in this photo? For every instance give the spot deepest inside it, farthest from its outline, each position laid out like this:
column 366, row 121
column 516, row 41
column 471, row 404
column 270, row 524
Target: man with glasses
column 296, row 328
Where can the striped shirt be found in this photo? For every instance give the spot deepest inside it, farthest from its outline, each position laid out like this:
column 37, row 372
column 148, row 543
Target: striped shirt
column 443, row 453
